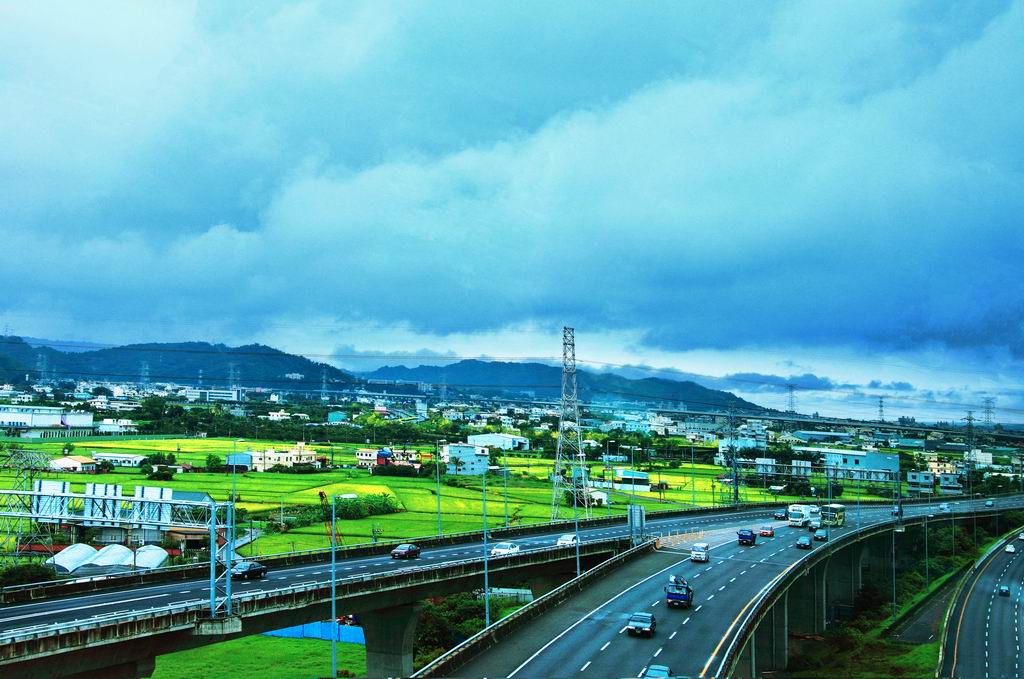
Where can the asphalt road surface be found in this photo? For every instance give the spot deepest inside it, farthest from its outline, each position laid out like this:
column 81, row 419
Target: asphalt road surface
column 985, row 628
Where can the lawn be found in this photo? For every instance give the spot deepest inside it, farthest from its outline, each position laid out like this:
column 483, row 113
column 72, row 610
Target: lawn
column 260, row 657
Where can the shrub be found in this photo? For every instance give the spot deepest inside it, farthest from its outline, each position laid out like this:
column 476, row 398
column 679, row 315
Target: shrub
column 25, row 574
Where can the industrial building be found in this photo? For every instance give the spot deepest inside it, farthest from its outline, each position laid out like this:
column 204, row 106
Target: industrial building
column 466, row 459
column 204, row 395
column 42, row 422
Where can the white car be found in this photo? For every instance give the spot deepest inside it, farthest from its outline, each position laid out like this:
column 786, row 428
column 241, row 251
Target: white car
column 505, row 549
column 1020, row 536
column 567, row 540
column 1010, row 549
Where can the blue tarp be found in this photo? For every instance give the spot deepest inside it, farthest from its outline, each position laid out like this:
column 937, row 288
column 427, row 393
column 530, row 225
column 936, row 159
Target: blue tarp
column 321, row 630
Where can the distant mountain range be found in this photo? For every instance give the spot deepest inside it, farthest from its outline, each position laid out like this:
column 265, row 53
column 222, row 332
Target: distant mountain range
column 544, row 381
column 253, row 365
column 256, row 365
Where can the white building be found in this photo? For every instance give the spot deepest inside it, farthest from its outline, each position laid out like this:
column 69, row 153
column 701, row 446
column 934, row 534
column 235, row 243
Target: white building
column 262, row 460
column 502, row 441
column 466, row 459
column 73, row 463
column 110, row 426
column 208, row 395
column 30, row 421
column 978, row 458
column 120, row 459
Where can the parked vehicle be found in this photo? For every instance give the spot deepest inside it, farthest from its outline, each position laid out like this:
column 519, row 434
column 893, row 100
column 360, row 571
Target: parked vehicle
column 766, row 532
column 700, row 551
column 821, row 535
column 678, row 594
column 780, row 514
column 804, row 542
column 746, row 536
column 642, row 624
column 405, row 551
column 505, row 549
column 658, row 671
column 248, row 570
column 1004, row 590
column 567, row 540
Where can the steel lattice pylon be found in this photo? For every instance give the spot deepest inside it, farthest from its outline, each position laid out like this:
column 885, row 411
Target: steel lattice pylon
column 569, row 451
column 18, row 534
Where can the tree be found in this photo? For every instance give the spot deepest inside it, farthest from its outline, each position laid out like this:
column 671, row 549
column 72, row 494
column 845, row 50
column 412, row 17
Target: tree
column 214, row 463
column 101, row 391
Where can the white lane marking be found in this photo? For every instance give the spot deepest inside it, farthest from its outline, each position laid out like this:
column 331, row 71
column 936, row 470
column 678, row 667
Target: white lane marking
column 673, row 635
column 185, row 591
column 731, row 580
column 721, row 588
column 654, row 604
column 82, row 608
column 585, row 666
column 657, row 653
column 579, row 621
column 711, row 597
column 684, row 622
column 697, row 609
column 606, row 645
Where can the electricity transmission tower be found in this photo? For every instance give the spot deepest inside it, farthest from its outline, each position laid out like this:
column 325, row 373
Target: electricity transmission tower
column 881, row 409
column 18, row 534
column 791, row 400
column 144, row 372
column 569, row 450
column 990, row 403
column 323, row 385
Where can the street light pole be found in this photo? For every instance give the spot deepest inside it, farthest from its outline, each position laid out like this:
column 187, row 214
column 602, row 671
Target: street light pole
column 504, row 463
column 693, row 480
column 334, row 598
column 487, row 586
column 437, row 470
column 576, row 519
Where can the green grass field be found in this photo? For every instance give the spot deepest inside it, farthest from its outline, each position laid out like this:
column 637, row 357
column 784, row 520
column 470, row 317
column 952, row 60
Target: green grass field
column 266, row 494
column 260, row 657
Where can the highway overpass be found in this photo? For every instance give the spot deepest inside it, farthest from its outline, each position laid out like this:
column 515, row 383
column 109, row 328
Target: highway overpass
column 749, row 602
column 120, row 630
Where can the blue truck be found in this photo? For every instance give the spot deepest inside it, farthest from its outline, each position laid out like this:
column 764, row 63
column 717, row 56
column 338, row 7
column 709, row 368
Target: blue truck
column 746, row 536
column 678, row 594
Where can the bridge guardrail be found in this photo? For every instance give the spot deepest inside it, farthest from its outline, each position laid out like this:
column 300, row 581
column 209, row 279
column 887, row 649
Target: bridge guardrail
column 57, row 588
column 191, row 612
column 448, row 662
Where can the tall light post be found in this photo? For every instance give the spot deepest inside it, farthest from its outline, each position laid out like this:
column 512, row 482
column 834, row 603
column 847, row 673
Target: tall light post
column 234, row 494
column 504, row 463
column 437, row 470
column 334, row 598
column 693, row 480
column 576, row 519
column 487, row 586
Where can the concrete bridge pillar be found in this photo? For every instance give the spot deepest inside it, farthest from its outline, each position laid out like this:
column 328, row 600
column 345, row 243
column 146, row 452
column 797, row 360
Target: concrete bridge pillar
column 746, row 662
column 806, row 602
column 843, row 582
column 390, row 633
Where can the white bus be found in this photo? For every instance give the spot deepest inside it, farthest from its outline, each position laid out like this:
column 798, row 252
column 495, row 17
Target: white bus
column 799, row 515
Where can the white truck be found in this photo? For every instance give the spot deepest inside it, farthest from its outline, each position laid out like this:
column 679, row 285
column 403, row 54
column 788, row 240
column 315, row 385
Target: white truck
column 700, row 552
column 799, row 515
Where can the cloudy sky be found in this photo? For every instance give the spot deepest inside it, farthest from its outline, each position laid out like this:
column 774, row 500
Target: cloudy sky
column 825, row 193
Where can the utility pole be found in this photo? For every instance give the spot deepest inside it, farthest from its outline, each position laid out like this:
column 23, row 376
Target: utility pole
column 732, row 454
column 569, row 449
column 971, row 461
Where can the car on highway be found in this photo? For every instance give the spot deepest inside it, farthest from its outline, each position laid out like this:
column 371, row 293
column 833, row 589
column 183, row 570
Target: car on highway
column 990, row 503
column 813, row 525
column 1004, row 590
column 405, row 551
column 821, row 535
column 1010, row 549
column 780, row 515
column 641, row 623
column 700, row 552
column 815, row 510
column 896, row 510
column 1020, row 536
column 505, row 549
column 567, row 540
column 657, row 671
column 766, row 532
column 804, row 542
column 944, row 507
column 248, row 570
